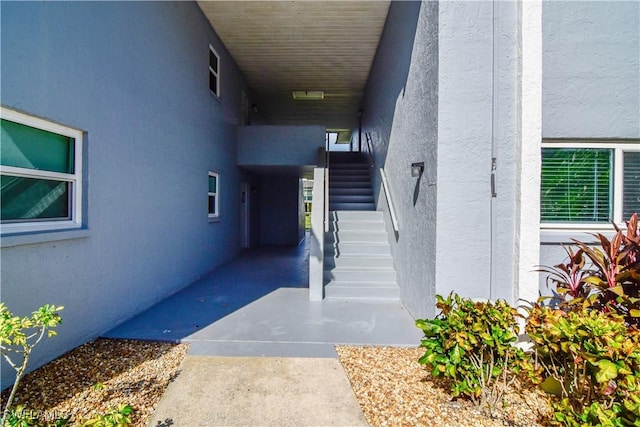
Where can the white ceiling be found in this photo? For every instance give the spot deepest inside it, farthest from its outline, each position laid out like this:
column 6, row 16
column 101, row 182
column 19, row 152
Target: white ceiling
column 282, row 46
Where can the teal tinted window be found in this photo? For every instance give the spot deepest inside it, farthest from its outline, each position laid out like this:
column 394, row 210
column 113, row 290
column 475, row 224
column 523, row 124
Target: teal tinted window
column 212, row 205
column 631, row 184
column 30, row 198
column 213, row 184
column 213, row 61
column 27, row 147
column 576, row 185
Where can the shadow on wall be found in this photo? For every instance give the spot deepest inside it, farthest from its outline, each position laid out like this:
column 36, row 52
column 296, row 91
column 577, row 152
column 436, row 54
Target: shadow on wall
column 388, row 79
column 400, row 118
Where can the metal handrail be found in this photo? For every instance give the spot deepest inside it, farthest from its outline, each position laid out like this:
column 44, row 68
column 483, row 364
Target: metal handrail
column 371, row 155
column 387, row 195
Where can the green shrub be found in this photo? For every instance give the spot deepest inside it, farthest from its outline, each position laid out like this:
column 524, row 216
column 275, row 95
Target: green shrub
column 605, row 278
column 117, row 417
column 591, row 361
column 18, row 337
column 20, row 416
column 587, row 351
column 472, row 344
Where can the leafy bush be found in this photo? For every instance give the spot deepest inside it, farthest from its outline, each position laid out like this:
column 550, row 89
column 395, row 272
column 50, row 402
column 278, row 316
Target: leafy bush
column 472, row 344
column 606, row 278
column 590, row 361
column 18, row 337
column 117, row 417
column 22, row 417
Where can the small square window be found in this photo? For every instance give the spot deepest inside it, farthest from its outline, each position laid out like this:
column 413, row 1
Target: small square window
column 214, row 71
column 214, row 201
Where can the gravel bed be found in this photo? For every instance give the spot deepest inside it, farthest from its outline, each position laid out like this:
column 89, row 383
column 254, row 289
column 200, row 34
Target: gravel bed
column 99, row 376
column 391, row 387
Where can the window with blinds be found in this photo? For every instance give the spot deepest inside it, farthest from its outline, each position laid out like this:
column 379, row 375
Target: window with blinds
column 631, row 184
column 588, row 184
column 576, row 185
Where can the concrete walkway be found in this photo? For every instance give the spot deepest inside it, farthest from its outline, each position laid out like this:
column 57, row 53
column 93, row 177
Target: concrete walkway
column 259, row 391
column 260, row 352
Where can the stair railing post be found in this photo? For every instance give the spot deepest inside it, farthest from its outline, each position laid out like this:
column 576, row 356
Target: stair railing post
column 316, row 247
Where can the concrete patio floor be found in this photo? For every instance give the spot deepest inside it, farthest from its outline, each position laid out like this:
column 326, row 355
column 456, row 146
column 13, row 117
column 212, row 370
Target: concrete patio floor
column 261, row 353
column 258, row 305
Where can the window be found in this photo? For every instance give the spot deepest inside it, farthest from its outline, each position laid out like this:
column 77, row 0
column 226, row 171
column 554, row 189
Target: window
column 589, row 184
column 214, row 71
column 631, row 184
column 214, row 202
column 41, row 174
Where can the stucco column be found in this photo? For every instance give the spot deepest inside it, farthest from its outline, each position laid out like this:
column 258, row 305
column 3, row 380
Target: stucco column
column 529, row 128
column 316, row 248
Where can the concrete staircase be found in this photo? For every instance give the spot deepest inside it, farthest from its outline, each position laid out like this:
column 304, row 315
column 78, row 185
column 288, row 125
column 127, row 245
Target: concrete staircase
column 358, row 262
column 349, row 183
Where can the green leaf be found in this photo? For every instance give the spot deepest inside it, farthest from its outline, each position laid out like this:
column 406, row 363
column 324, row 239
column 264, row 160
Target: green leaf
column 551, row 386
column 456, row 354
column 618, row 290
column 607, row 371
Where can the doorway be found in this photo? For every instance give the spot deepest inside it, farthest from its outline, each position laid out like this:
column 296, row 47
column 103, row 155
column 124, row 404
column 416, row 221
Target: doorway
column 245, row 215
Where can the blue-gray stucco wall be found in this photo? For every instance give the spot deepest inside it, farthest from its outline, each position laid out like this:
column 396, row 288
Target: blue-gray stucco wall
column 437, row 75
column 590, row 83
column 134, row 77
column 280, row 145
column 591, row 69
column 400, row 113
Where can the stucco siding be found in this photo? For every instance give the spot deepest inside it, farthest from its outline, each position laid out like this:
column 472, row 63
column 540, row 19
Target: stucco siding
column 591, row 69
column 133, row 76
column 464, row 148
column 590, row 84
column 400, row 112
column 279, row 145
column 453, row 102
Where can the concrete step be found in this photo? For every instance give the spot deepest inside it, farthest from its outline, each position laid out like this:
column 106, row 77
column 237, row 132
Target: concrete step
column 358, row 191
column 350, row 198
column 335, row 178
column 348, row 184
column 347, row 157
column 347, row 274
column 362, row 249
column 359, row 261
column 356, row 216
column 358, row 236
column 345, row 225
column 333, row 172
column 352, row 206
column 360, row 291
column 360, row 166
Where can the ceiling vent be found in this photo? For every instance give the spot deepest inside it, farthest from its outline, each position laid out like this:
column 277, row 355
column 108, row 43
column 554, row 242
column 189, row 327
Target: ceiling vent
column 307, row 95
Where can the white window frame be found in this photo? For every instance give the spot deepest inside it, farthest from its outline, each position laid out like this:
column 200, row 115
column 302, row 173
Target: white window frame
column 215, row 194
column 618, row 147
column 215, row 73
column 75, row 179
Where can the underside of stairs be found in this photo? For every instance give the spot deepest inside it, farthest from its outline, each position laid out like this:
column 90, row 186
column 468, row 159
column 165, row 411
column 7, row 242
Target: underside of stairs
column 358, row 263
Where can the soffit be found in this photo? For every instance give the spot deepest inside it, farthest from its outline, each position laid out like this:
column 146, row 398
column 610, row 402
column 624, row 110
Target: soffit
column 282, row 46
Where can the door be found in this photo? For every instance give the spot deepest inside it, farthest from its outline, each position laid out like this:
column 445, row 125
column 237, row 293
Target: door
column 245, row 215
